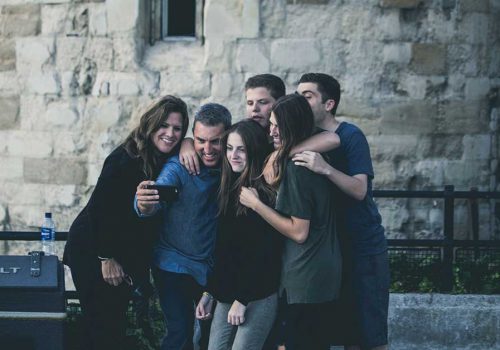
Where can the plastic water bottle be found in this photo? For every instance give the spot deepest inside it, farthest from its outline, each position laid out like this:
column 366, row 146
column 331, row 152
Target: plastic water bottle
column 48, row 235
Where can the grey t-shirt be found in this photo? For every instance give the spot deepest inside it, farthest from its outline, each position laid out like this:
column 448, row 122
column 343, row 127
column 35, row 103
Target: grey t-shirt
column 311, row 271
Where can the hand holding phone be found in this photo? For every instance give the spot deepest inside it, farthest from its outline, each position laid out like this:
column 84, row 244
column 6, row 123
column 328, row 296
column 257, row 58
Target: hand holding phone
column 167, row 193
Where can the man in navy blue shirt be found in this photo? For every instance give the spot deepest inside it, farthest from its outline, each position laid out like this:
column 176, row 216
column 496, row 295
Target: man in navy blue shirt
column 182, row 257
column 349, row 168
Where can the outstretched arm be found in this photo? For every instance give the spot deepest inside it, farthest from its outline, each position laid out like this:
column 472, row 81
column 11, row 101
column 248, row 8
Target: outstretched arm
column 291, row 227
column 323, row 142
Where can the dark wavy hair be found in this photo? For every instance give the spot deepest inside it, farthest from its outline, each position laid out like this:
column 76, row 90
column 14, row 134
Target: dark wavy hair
column 295, row 121
column 257, row 149
column 139, row 143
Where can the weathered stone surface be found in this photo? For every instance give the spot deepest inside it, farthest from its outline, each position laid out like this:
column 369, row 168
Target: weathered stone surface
column 61, row 171
column 102, row 114
column 252, row 56
column 68, row 144
column 9, row 113
column 459, row 116
column 7, row 54
column 428, row 59
column 33, row 53
column 406, row 4
column 408, row 118
column 222, row 20
column 69, row 52
column 397, row 53
column 475, row 28
column 294, row 55
column 119, row 20
column 54, row 18
column 43, row 83
column 477, row 88
column 250, row 19
column 174, row 56
column 443, row 146
column 11, row 169
column 308, row 2
column 194, row 84
column 388, row 24
column 29, row 144
column 98, row 23
column 475, row 5
column 127, row 53
column 218, row 55
column 20, row 20
column 477, row 147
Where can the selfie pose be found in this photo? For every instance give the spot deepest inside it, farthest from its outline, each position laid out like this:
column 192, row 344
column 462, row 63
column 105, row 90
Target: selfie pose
column 311, row 270
column 109, row 247
column 247, row 251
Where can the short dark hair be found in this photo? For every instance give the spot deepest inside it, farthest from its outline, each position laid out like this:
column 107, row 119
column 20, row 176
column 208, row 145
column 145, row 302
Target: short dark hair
column 274, row 84
column 212, row 114
column 328, row 87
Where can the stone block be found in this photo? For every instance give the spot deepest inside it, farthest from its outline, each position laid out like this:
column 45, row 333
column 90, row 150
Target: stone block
column 60, row 171
column 43, row 83
column 395, row 147
column 397, row 53
column 477, row 88
column 98, row 22
column 193, row 84
column 250, row 19
column 60, row 116
column 294, row 54
column 414, row 86
column 415, row 117
column 467, row 173
column 7, row 54
column 388, row 26
column 477, row 147
column 252, row 57
column 428, row 59
column 29, row 144
column 100, row 51
column 120, row 20
column 272, row 16
column 226, row 85
column 475, row 28
column 20, row 20
column 127, row 53
column 69, row 52
column 9, row 107
column 475, row 6
column 174, row 56
column 458, row 116
column 402, row 4
column 33, row 53
column 430, row 172
column 69, row 143
column 307, row 2
column 9, row 83
column 219, row 53
column 443, row 146
column 494, row 67
column 102, row 114
column 54, row 18
column 11, row 169
column 222, row 20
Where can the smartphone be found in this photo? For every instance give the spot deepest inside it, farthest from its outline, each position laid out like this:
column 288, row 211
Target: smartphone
column 167, row 193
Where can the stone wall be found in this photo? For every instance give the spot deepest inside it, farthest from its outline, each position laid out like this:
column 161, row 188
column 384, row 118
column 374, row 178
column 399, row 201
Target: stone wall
column 421, row 78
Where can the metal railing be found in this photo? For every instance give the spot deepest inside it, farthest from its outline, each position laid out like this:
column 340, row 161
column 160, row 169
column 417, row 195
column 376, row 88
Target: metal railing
column 447, row 246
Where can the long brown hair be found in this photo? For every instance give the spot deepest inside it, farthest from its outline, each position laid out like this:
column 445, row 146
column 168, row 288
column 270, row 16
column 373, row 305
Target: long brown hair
column 295, row 121
column 256, row 148
column 139, row 144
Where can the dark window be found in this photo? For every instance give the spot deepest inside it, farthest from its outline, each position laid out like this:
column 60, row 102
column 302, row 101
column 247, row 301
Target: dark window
column 178, row 18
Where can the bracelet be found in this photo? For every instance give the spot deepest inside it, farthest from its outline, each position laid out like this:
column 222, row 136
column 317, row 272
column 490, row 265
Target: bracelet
column 103, row 259
column 208, row 295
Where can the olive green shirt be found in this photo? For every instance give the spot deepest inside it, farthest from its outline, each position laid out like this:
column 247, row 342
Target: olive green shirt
column 311, row 271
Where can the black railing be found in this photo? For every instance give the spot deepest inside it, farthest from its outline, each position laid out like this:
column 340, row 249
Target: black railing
column 442, row 252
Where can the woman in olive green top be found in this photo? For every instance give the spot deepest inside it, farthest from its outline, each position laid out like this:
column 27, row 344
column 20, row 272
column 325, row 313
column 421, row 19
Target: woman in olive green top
column 304, row 213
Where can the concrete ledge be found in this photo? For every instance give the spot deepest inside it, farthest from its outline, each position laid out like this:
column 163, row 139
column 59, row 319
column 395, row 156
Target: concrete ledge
column 444, row 322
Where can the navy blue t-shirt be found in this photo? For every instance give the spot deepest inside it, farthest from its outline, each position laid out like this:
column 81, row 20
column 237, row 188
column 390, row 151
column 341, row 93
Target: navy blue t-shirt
column 362, row 219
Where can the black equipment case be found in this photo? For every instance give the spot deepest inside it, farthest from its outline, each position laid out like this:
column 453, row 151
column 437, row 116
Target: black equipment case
column 32, row 304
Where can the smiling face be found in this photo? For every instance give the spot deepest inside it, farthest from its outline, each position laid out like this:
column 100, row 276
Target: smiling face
column 207, row 143
column 274, row 131
column 169, row 134
column 236, row 152
column 259, row 104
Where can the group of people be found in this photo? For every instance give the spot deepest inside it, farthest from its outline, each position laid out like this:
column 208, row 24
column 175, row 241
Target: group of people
column 274, row 238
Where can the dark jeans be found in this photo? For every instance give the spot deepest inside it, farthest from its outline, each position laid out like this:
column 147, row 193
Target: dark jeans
column 306, row 326
column 104, row 308
column 179, row 294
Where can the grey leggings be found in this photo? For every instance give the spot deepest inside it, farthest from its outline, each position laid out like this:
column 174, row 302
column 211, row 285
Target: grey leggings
column 251, row 335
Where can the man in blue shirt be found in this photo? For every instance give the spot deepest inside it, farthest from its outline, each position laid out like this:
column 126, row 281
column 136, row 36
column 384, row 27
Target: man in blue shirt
column 182, row 257
column 349, row 168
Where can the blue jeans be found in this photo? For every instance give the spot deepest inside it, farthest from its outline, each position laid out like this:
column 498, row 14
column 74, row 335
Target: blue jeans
column 179, row 293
